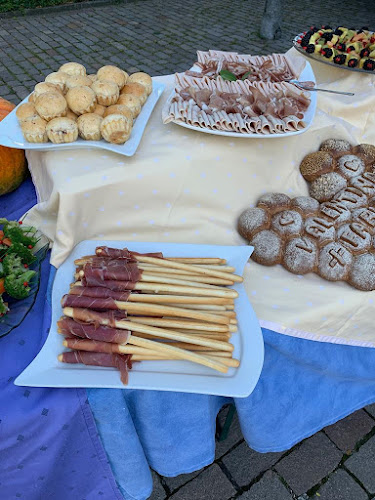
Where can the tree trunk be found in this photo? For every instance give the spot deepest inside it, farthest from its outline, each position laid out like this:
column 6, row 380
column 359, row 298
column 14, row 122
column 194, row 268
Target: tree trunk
column 271, row 21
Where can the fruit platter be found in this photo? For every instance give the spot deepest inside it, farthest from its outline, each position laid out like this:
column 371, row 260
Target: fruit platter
column 343, row 47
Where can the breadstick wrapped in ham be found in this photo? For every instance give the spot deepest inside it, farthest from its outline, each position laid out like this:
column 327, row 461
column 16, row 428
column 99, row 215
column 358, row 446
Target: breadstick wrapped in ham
column 69, row 327
column 119, row 361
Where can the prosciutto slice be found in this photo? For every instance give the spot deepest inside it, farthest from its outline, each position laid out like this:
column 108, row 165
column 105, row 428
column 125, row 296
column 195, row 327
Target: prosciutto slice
column 124, row 272
column 118, row 253
column 97, row 318
column 99, row 292
column 71, row 328
column 118, row 286
column 92, row 346
column 89, row 302
column 120, row 361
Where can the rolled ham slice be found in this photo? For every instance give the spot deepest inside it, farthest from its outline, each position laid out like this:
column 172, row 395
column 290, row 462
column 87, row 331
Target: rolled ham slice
column 96, row 318
column 99, row 292
column 118, row 286
column 118, row 272
column 70, row 328
column 119, row 361
column 124, row 253
column 88, row 302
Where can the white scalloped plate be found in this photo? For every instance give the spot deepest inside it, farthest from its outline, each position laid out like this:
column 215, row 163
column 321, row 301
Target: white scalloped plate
column 179, row 376
column 12, row 137
column 306, row 75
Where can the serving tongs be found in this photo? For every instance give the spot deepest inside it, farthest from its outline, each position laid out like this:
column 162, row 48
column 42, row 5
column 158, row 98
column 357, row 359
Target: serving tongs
column 310, row 87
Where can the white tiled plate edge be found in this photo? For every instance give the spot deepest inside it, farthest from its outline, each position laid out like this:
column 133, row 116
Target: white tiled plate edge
column 306, row 75
column 178, row 376
column 11, row 134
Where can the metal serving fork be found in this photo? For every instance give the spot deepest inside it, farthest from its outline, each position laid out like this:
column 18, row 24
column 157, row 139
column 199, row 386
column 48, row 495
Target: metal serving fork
column 310, row 86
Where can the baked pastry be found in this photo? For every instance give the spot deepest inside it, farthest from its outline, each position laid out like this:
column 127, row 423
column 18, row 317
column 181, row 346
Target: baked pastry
column 93, row 77
column 300, row 255
column 31, row 97
column 136, row 89
column 335, row 262
column 119, row 109
column 335, row 146
column 71, row 115
column 326, row 186
column 81, row 100
column 274, row 202
column 132, row 102
column 355, row 237
column 268, row 248
column 106, row 92
column 26, row 110
column 89, row 126
column 365, row 183
column 73, row 68
column 367, row 151
column 142, row 78
column 99, row 109
column 44, row 87
column 116, row 129
column 305, row 205
column 316, row 164
column 287, row 223
column 362, row 273
column 320, row 230
column 336, row 212
column 352, row 198
column 62, row 130
column 51, row 105
column 78, row 81
column 112, row 74
column 365, row 216
column 350, row 166
column 253, row 220
column 34, row 129
column 57, row 78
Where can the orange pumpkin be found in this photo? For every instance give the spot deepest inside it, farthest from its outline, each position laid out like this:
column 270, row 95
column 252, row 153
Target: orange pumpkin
column 13, row 168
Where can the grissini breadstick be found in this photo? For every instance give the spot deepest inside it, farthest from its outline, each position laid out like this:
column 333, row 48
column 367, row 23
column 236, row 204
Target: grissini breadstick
column 187, row 267
column 180, row 323
column 197, row 260
column 153, row 297
column 141, row 308
column 230, row 362
column 179, row 265
column 188, row 281
column 89, row 345
column 158, row 332
column 180, row 353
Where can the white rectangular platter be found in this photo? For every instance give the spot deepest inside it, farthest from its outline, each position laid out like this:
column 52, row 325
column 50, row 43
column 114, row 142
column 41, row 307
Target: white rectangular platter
column 12, row 137
column 307, row 75
column 179, row 376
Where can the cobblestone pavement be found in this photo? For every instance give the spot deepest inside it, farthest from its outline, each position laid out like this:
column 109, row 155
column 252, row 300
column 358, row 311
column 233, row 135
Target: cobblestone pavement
column 156, row 36
column 160, row 37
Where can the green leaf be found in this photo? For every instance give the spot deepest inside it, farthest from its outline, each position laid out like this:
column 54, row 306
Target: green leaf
column 228, row 75
column 246, row 75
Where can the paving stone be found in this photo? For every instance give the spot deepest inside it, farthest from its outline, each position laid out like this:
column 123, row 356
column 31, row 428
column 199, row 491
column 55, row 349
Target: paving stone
column 234, row 435
column 268, row 488
column 245, row 464
column 211, row 484
column 340, row 486
column 174, row 483
column 308, row 463
column 362, row 465
column 347, row 432
column 158, row 492
column 371, row 409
